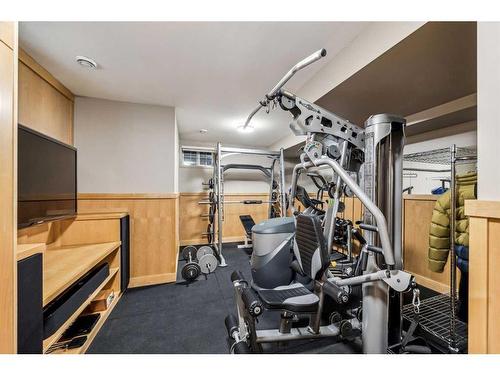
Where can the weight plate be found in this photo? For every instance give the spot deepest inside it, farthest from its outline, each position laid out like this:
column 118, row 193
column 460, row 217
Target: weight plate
column 190, row 271
column 211, row 213
column 341, row 207
column 203, row 250
column 208, row 263
column 210, row 232
column 335, row 317
column 189, row 250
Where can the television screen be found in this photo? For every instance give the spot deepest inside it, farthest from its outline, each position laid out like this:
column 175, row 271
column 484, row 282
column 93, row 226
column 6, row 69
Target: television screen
column 46, row 179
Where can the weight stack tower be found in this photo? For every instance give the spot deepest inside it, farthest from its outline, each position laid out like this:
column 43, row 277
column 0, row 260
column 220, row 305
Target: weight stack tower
column 383, row 183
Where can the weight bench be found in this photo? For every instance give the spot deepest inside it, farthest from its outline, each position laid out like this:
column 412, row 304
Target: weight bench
column 248, row 223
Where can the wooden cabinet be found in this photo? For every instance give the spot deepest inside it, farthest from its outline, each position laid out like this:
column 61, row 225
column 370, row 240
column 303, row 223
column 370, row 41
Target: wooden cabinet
column 45, row 105
column 69, row 249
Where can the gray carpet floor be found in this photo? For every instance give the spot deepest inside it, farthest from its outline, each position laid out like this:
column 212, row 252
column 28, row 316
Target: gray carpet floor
column 188, row 318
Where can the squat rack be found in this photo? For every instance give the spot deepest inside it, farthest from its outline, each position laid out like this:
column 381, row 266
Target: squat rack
column 219, row 169
column 447, row 328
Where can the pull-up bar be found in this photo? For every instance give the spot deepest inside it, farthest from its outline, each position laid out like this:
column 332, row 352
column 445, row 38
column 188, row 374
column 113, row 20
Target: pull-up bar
column 265, row 170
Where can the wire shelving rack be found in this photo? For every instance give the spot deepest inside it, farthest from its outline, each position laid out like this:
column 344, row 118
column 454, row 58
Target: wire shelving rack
column 438, row 315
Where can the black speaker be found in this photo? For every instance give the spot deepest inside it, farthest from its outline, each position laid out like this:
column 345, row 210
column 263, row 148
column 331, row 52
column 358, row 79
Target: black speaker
column 30, row 305
column 64, row 305
column 125, row 252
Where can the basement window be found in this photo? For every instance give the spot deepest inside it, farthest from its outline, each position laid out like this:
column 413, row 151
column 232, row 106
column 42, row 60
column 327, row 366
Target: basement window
column 194, row 158
column 205, row 158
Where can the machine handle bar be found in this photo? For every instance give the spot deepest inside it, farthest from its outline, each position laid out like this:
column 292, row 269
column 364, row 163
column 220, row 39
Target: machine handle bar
column 274, row 91
column 375, row 249
column 368, row 227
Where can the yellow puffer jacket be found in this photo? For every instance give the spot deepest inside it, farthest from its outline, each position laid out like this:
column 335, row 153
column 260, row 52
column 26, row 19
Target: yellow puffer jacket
column 439, row 237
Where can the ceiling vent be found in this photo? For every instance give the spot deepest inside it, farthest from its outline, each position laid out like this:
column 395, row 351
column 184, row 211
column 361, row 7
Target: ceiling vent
column 86, row 62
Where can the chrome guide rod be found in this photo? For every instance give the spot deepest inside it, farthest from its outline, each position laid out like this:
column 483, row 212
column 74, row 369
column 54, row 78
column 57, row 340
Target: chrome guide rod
column 270, row 207
column 330, row 227
column 282, row 183
column 271, row 94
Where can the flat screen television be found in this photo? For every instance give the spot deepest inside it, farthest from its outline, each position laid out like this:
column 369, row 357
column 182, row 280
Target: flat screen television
column 46, row 179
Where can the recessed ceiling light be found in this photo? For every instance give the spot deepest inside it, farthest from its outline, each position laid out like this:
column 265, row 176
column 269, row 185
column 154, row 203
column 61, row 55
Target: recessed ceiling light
column 247, row 129
column 86, row 62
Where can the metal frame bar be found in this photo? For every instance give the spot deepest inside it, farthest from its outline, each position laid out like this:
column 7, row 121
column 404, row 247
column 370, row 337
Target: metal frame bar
column 218, row 176
column 453, row 269
column 426, row 170
column 251, row 151
column 220, row 207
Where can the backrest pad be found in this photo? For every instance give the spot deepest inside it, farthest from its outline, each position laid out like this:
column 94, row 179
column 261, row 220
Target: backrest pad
column 310, row 246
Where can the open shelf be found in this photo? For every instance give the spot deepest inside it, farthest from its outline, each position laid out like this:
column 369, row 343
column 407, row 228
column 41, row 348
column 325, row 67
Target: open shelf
column 48, row 342
column 64, row 265
column 93, row 333
column 435, row 322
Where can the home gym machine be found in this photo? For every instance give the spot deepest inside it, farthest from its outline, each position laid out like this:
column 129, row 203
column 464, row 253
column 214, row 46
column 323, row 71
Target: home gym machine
column 274, row 173
column 335, row 143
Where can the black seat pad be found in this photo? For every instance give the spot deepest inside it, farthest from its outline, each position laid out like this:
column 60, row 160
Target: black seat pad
column 293, row 297
column 248, row 224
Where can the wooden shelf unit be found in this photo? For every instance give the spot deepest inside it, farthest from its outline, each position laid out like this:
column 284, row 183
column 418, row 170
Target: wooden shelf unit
column 93, row 333
column 48, row 342
column 64, row 265
column 71, row 248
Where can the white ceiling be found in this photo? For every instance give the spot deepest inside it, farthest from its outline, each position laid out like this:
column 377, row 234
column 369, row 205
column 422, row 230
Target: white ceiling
column 213, row 73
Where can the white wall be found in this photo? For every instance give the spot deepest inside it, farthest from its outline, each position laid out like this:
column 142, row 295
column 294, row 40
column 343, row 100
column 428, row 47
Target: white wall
column 488, row 109
column 235, row 181
column 124, row 147
column 176, row 154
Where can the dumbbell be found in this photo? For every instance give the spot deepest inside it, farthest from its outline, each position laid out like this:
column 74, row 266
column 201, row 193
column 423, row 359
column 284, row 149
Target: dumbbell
column 199, row 261
column 191, row 270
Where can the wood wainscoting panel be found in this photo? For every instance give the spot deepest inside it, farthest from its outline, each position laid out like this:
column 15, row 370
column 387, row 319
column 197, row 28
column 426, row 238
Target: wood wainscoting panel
column 484, row 278
column 192, row 224
column 478, row 286
column 8, row 187
column 493, row 258
column 417, row 221
column 154, row 240
column 45, row 105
